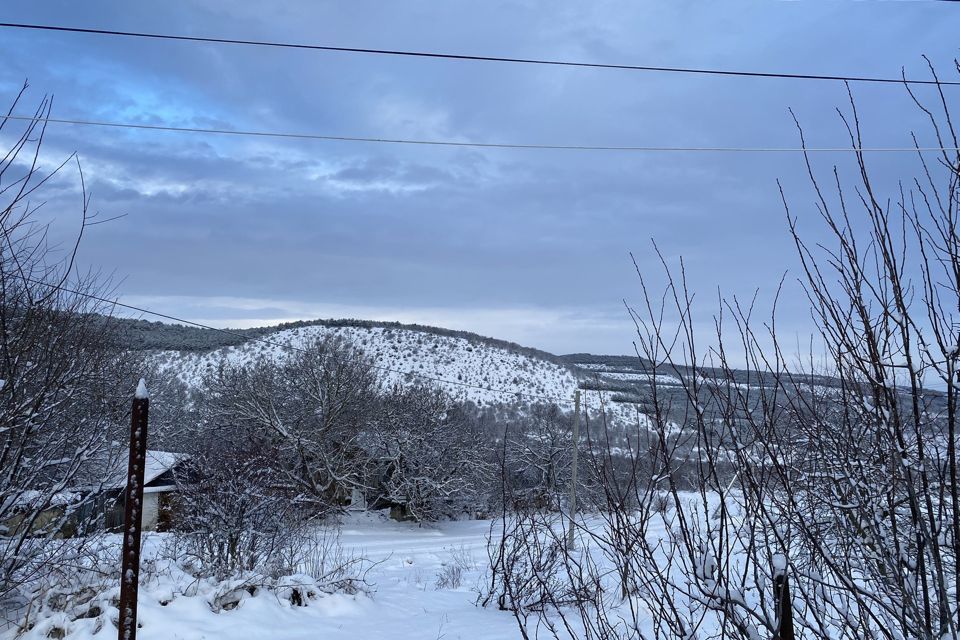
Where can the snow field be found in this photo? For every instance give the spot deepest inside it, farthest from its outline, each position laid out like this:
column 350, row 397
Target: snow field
column 411, row 595
column 406, row 602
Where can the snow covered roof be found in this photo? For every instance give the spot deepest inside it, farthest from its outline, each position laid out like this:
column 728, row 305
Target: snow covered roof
column 157, row 463
column 41, row 499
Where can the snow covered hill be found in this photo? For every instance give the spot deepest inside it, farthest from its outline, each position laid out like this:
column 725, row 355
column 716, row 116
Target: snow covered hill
column 465, row 365
column 468, row 367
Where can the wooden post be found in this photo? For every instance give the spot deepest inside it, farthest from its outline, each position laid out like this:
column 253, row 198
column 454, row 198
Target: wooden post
column 781, row 597
column 133, row 515
column 573, row 468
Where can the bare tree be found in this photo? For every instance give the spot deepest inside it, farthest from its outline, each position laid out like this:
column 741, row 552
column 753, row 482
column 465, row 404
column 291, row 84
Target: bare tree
column 539, row 458
column 176, row 409
column 63, row 383
column 311, row 407
column 431, row 462
column 837, row 473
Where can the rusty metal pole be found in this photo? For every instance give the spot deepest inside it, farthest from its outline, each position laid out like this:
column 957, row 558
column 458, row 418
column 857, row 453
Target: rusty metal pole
column 781, row 596
column 133, row 515
column 571, row 543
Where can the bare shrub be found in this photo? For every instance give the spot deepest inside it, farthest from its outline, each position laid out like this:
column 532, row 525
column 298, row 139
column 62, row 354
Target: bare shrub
column 463, row 558
column 80, row 583
column 235, row 513
column 453, row 571
column 64, row 385
column 530, row 570
column 317, row 552
column 450, row 576
column 838, row 475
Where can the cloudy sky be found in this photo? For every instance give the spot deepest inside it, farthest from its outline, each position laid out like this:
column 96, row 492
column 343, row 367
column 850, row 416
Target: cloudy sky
column 530, row 246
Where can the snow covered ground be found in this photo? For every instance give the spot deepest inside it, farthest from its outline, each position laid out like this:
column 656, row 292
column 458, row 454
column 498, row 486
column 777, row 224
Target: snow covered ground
column 408, row 597
column 406, row 602
column 647, row 378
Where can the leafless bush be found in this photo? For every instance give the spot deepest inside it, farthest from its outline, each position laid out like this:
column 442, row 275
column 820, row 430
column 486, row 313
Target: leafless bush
column 317, row 552
column 450, row 576
column 79, row 583
column 235, row 513
column 838, row 474
column 63, row 383
column 463, row 558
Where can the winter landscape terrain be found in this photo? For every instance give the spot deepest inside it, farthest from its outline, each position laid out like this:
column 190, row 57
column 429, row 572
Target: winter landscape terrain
column 435, row 570
column 405, row 595
column 763, row 443
column 359, row 572
column 435, row 573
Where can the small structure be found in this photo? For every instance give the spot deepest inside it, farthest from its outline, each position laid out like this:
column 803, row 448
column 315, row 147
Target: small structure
column 96, row 503
column 40, row 512
column 159, row 490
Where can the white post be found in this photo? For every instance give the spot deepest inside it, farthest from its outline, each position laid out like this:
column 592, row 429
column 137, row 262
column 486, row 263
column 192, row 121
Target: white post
column 573, row 467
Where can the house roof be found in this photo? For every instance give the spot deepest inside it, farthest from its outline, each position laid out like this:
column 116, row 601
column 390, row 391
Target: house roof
column 157, row 464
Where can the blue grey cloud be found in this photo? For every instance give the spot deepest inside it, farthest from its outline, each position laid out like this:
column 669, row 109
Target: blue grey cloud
column 439, row 233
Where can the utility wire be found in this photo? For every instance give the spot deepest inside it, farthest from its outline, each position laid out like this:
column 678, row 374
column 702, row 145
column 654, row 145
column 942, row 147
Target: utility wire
column 472, row 58
column 481, row 145
column 85, row 294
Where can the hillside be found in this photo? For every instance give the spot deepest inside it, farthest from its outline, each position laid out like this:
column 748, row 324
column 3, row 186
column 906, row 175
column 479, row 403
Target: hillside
column 468, row 366
column 143, row 335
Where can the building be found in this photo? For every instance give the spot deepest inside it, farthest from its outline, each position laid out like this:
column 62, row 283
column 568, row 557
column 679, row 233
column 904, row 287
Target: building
column 159, row 490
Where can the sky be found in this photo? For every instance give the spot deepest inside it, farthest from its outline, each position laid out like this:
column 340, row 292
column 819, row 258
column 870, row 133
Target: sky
column 532, row 246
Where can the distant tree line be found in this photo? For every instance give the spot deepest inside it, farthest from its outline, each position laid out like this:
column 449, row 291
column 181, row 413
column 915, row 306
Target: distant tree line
column 145, row 335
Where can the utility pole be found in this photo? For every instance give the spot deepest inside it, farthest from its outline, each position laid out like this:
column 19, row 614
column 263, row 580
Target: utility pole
column 133, row 515
column 573, row 468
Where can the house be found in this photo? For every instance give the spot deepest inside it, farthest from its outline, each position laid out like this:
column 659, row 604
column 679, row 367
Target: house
column 96, row 502
column 39, row 512
column 159, row 490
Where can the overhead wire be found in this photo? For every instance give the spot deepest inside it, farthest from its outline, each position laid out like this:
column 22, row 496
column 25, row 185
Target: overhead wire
column 471, row 58
column 481, row 145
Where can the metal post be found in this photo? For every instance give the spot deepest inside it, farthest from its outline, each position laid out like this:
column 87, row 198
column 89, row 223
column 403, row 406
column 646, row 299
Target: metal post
column 133, row 515
column 784, row 605
column 573, row 468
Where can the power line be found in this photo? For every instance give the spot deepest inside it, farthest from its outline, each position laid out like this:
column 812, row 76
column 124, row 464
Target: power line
column 158, row 314
column 472, row 58
column 481, row 145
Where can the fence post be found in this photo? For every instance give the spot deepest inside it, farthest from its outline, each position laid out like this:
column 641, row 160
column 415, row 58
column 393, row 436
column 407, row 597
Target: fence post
column 133, row 515
column 573, row 468
column 781, row 598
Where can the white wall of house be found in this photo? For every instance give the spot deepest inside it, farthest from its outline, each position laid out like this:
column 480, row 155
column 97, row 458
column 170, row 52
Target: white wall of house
column 151, row 511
